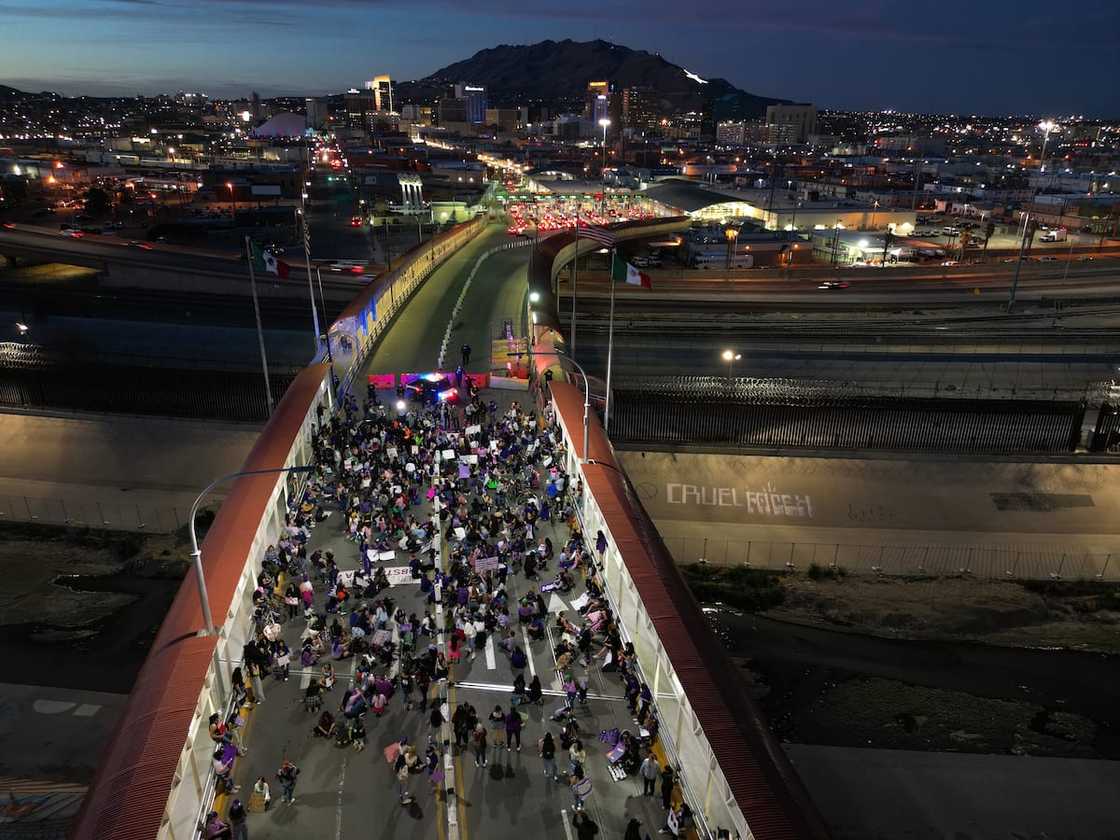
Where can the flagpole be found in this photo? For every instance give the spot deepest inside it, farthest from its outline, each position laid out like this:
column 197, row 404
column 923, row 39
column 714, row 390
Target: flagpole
column 310, row 283
column 260, row 332
column 610, row 351
column 575, row 271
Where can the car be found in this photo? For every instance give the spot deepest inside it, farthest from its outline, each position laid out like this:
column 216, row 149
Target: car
column 834, row 284
column 72, row 233
column 950, row 230
column 355, row 221
column 1009, row 260
column 136, row 243
column 1047, row 259
column 8, row 225
column 950, row 263
column 1085, row 259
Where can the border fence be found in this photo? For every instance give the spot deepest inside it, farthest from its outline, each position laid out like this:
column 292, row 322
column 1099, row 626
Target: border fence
column 820, row 415
column 998, row 562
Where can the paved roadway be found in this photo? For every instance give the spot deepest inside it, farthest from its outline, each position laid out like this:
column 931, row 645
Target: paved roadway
column 497, row 292
column 346, row 794
column 730, row 501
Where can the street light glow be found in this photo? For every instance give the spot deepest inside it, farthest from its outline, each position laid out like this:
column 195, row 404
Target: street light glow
column 604, row 122
column 400, row 405
column 534, row 297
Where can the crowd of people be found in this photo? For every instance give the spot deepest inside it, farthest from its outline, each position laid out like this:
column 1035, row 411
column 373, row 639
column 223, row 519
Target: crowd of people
column 482, row 512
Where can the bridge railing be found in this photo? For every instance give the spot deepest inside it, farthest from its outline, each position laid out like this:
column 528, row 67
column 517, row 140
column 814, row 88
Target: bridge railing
column 702, row 781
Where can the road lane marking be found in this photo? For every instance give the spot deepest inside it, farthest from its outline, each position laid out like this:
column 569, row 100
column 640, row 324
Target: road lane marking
column 528, row 650
column 490, row 663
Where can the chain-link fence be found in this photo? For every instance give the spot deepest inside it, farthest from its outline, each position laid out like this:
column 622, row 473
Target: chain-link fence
column 112, row 516
column 1003, row 562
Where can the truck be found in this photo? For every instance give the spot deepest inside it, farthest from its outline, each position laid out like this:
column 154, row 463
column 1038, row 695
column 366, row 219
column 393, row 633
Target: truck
column 1055, row 235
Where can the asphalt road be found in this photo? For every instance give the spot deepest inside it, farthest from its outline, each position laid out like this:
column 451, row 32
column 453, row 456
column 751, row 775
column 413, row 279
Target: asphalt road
column 412, row 342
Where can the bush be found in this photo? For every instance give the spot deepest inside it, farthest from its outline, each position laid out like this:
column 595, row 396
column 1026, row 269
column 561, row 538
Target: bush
column 751, row 590
column 819, row 572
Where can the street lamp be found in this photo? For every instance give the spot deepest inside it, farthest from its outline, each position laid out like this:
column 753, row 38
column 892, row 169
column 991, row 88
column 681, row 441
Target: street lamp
column 232, row 197
column 732, row 234
column 731, row 357
column 1047, row 126
column 604, row 123
column 196, row 552
column 586, row 394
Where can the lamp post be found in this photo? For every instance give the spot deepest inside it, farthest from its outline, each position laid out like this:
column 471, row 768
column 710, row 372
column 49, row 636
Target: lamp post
column 196, row 552
column 732, row 234
column 731, row 357
column 232, row 197
column 1047, row 126
column 586, row 394
column 605, row 124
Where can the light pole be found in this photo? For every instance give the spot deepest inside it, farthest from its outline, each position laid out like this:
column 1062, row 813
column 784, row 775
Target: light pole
column 232, row 197
column 1047, row 126
column 605, row 124
column 731, row 357
column 732, row 234
column 196, row 552
column 586, row 395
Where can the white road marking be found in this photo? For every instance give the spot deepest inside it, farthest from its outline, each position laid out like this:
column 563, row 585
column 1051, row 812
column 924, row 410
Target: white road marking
column 528, row 650
column 87, row 710
column 567, row 824
column 490, row 663
column 304, row 680
column 52, row 707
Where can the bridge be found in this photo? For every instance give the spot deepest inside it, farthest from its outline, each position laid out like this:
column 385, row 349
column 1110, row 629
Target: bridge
column 156, row 778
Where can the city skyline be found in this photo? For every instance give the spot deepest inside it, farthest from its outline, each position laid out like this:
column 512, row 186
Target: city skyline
column 862, row 58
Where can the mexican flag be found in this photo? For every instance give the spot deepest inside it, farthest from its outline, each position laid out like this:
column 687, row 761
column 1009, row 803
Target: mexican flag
column 623, row 272
column 263, row 260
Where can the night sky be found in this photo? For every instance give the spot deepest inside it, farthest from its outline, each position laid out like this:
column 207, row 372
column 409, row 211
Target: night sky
column 985, row 57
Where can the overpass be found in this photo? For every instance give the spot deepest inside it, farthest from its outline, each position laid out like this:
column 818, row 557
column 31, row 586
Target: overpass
column 156, row 777
column 161, row 267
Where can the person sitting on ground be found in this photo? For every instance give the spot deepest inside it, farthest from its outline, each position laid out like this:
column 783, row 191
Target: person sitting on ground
column 326, row 726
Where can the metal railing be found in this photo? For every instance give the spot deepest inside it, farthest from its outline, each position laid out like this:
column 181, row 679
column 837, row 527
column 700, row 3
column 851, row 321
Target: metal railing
column 992, row 562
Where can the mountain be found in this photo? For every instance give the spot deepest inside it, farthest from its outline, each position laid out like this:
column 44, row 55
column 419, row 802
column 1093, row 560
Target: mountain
column 557, row 72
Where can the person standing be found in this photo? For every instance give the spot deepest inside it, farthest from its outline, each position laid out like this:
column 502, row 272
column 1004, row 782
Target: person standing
column 547, row 749
column 478, row 742
column 580, row 787
column 238, row 821
column 586, row 828
column 513, row 729
column 287, row 774
column 649, row 771
column 498, row 724
column 465, row 354
column 668, row 782
column 633, row 829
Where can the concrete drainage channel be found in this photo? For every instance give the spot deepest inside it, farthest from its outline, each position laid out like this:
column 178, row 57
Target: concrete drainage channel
column 508, row 246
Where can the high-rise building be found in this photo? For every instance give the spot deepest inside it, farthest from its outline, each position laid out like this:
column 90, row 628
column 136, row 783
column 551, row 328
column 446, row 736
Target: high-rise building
column 360, row 107
column 382, row 88
column 316, row 112
column 474, row 101
column 639, row 108
column 597, row 100
column 797, row 121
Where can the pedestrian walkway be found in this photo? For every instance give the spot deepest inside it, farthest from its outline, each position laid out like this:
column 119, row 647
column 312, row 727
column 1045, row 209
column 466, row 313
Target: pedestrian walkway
column 344, row 792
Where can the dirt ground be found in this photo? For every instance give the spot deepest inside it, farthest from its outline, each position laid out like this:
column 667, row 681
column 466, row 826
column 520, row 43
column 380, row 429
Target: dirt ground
column 1081, row 616
column 50, row 574
column 893, row 715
